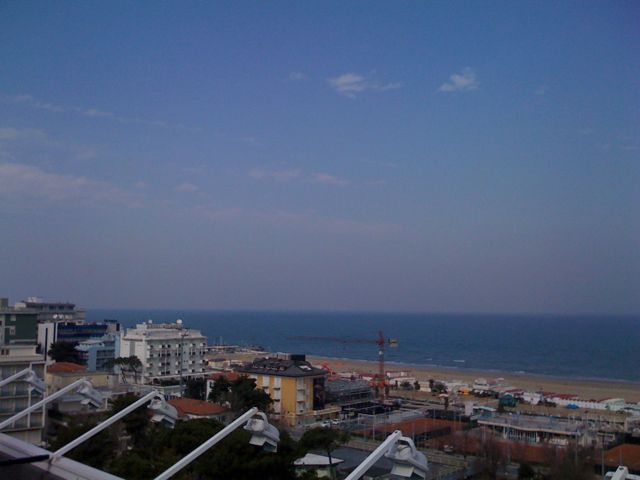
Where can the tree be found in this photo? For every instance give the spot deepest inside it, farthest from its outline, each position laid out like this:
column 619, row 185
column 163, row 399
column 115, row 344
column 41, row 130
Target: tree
column 416, row 385
column 491, row 458
column 128, row 365
column 221, row 387
column 232, row 459
column 576, row 464
column 96, row 451
column 196, row 388
column 326, row 439
column 136, row 422
column 64, row 352
column 244, row 395
column 525, row 471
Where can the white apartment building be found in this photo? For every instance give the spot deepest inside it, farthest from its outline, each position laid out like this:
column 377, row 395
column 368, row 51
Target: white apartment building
column 166, row 350
column 17, row 395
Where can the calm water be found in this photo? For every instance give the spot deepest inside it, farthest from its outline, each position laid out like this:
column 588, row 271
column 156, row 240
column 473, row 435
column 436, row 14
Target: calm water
column 573, row 346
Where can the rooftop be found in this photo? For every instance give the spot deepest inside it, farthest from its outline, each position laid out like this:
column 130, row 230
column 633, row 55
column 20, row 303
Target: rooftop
column 189, row 406
column 626, row 454
column 532, row 424
column 282, row 368
column 65, row 367
column 314, row 460
column 420, row 426
column 230, row 376
column 152, row 330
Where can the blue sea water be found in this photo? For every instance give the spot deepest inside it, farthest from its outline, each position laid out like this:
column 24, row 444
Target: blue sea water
column 604, row 347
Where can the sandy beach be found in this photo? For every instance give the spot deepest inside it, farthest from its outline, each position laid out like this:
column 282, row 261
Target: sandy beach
column 586, row 389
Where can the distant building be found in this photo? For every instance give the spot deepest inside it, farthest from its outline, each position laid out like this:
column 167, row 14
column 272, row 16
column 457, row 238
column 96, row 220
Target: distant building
column 18, row 395
column 68, row 331
column 212, row 379
column 322, row 466
column 34, row 321
column 54, row 311
column 18, row 324
column 348, row 392
column 60, row 374
column 535, row 429
column 98, row 354
column 167, row 351
column 190, row 409
column 296, row 387
column 627, row 454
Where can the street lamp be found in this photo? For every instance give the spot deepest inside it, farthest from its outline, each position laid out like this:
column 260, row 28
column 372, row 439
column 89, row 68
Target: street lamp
column 407, row 460
column 262, row 434
column 26, row 375
column 163, row 412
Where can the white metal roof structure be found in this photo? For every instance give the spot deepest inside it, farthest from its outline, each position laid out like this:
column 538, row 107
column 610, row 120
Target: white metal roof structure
column 14, row 450
column 314, row 460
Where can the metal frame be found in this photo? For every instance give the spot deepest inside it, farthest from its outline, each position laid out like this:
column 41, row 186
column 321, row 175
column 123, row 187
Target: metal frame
column 83, row 382
column 386, row 448
column 101, row 426
column 246, row 417
column 64, row 468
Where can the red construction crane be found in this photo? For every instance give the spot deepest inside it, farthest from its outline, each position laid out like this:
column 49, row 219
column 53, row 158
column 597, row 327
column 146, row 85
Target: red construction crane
column 380, row 379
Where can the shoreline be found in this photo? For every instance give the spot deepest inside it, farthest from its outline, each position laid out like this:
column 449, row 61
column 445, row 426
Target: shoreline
column 584, row 388
column 493, row 371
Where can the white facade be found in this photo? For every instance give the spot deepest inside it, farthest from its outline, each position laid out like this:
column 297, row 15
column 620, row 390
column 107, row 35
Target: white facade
column 17, row 395
column 165, row 350
column 612, row 404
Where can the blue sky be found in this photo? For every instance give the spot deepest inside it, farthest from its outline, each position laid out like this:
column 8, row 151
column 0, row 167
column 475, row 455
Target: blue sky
column 434, row 156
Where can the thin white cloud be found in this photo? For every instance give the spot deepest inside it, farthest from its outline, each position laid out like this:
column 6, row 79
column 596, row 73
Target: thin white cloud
column 464, row 81
column 298, row 175
column 277, row 175
column 186, row 187
column 297, row 76
column 309, row 221
column 351, row 84
column 375, row 183
column 32, row 102
column 10, row 133
column 327, row 179
column 541, row 90
column 18, row 181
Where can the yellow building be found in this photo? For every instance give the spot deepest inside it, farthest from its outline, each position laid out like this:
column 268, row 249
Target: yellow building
column 295, row 386
column 60, row 374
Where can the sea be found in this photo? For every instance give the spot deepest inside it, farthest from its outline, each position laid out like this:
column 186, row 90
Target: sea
column 581, row 347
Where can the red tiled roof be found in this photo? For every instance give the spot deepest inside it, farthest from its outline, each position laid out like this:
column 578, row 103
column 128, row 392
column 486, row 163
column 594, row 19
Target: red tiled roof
column 471, row 442
column 231, row 376
column 189, row 406
column 65, row 367
column 565, row 396
column 420, row 425
column 626, row 454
